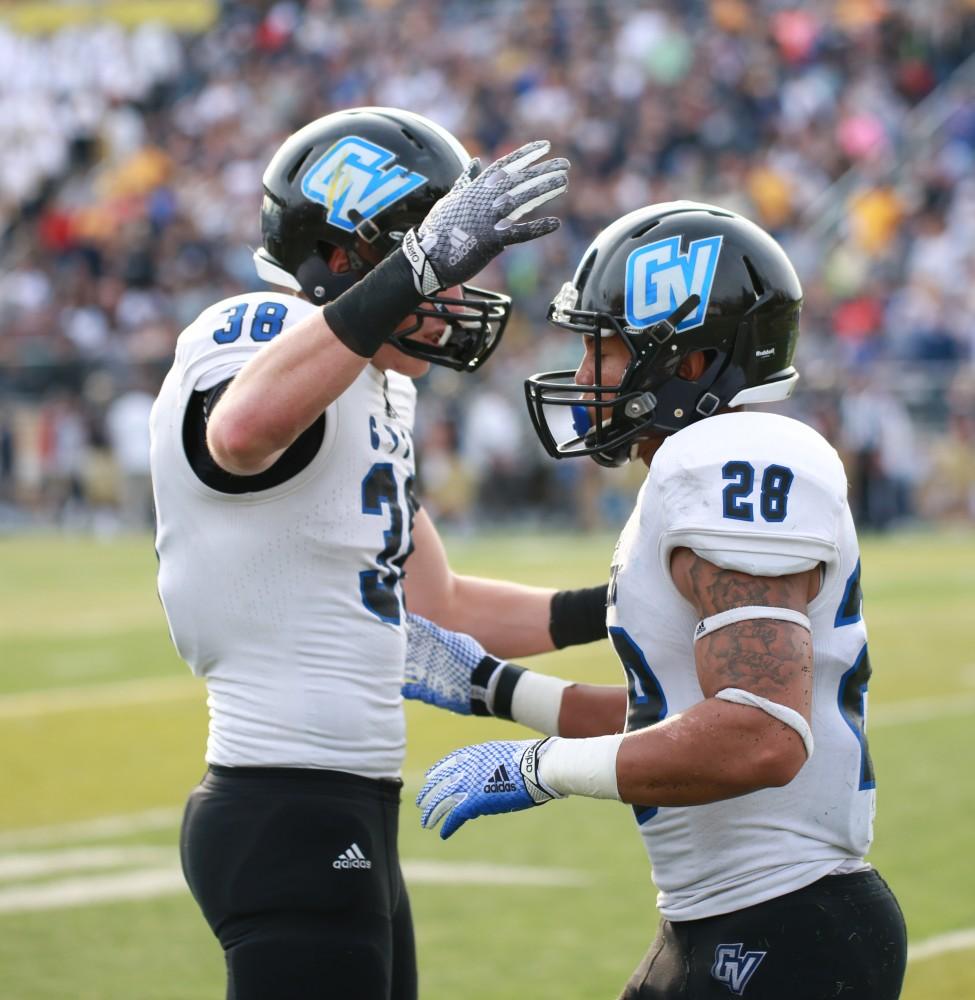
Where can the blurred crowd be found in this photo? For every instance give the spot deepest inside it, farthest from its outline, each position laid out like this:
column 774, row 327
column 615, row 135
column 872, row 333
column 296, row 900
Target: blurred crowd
column 130, row 181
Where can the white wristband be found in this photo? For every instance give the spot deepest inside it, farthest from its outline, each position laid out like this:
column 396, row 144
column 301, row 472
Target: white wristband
column 536, row 701
column 581, row 767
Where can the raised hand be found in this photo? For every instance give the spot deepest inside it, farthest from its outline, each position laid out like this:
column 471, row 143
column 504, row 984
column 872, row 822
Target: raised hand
column 477, row 218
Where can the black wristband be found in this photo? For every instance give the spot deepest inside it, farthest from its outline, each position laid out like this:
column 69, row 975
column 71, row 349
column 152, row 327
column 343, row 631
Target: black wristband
column 578, row 616
column 480, row 679
column 505, row 689
column 364, row 316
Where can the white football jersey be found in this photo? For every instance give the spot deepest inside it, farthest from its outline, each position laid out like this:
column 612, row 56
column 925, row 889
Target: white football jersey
column 765, row 495
column 288, row 600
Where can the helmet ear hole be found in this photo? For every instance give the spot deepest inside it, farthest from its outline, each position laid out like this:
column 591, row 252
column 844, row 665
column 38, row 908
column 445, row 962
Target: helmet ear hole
column 336, row 258
column 695, row 365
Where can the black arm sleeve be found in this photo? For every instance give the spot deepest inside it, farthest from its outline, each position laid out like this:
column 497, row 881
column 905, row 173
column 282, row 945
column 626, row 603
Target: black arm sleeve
column 364, row 316
column 578, row 616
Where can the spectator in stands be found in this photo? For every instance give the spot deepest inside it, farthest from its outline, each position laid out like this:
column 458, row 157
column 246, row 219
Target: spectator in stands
column 127, row 428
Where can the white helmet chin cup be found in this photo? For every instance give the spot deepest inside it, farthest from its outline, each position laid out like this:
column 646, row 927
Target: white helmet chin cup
column 273, row 273
column 768, row 392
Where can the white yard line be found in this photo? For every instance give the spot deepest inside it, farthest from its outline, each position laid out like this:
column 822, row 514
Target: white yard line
column 88, row 889
column 166, row 880
column 881, row 716
column 93, row 829
column 932, row 947
column 921, row 710
column 163, row 879
column 145, row 691
column 31, row 865
column 474, row 873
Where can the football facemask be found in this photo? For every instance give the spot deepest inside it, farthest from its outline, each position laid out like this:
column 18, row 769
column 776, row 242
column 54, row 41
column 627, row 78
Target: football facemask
column 474, row 321
column 607, row 419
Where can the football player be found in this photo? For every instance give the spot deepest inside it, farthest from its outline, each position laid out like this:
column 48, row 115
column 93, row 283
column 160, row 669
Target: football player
column 734, row 606
column 283, row 466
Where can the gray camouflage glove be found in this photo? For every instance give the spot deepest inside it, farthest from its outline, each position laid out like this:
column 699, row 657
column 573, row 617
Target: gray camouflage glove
column 476, row 219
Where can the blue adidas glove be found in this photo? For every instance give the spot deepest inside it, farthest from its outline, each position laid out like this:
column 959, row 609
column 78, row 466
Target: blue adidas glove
column 482, row 780
column 453, row 671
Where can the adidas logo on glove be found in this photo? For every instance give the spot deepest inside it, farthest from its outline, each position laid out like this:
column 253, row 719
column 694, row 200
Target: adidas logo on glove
column 500, row 781
column 352, row 858
column 461, row 244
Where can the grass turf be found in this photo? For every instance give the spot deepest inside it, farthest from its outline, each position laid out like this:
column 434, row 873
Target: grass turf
column 99, row 718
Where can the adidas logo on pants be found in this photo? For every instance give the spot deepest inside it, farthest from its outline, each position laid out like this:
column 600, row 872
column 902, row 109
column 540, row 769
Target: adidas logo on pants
column 352, row 858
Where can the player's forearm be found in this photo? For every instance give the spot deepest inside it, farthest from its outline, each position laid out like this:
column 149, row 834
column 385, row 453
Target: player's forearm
column 714, row 750
column 513, row 620
column 592, row 710
column 510, row 620
column 279, row 393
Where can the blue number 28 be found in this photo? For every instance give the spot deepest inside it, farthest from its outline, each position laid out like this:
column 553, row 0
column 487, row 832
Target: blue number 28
column 774, row 496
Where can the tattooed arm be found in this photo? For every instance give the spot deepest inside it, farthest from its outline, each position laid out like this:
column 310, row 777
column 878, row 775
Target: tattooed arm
column 716, row 749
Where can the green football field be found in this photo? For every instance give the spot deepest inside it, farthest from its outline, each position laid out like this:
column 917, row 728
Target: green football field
column 102, row 733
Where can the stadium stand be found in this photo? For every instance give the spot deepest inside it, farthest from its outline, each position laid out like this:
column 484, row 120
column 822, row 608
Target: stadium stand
column 130, row 184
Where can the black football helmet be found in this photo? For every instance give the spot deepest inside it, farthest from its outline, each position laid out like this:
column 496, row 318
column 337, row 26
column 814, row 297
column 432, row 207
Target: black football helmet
column 359, row 179
column 671, row 279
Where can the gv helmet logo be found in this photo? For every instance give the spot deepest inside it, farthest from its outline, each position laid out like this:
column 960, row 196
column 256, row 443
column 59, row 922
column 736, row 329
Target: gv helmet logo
column 356, row 174
column 659, row 278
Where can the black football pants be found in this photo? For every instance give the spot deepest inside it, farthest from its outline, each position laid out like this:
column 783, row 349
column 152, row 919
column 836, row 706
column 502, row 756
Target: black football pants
column 297, row 874
column 843, row 936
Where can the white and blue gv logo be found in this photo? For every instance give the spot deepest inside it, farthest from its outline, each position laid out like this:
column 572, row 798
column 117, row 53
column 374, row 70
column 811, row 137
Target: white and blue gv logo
column 353, row 174
column 659, row 278
column 734, row 966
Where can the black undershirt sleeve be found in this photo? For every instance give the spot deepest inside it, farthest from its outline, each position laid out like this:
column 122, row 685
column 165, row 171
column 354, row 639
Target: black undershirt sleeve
column 578, row 616
column 295, row 458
